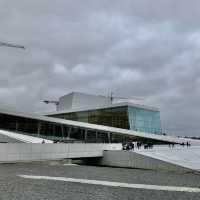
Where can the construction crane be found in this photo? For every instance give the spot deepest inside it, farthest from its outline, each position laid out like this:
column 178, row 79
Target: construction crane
column 56, row 103
column 11, row 45
column 112, row 97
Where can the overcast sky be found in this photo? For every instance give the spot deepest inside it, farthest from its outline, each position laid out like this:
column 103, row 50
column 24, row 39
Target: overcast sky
column 131, row 47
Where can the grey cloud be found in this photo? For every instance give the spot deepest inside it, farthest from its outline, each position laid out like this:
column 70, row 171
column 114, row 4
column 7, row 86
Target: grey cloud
column 135, row 48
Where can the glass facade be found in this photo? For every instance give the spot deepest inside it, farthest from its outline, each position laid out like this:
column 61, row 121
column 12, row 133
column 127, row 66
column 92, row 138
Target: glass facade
column 144, row 120
column 114, row 117
column 126, row 117
column 58, row 131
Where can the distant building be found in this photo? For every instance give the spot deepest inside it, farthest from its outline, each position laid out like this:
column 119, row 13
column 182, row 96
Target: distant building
column 86, row 118
column 100, row 110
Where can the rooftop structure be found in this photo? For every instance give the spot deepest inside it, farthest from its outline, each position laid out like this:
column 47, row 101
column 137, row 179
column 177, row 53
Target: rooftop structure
column 100, row 110
column 78, row 101
column 113, row 123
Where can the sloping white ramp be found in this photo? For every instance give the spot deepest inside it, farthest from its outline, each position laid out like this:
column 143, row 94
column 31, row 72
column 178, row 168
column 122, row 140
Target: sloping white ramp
column 188, row 157
column 180, row 159
column 23, row 138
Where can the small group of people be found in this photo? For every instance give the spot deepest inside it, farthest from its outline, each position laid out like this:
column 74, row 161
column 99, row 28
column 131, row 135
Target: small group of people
column 131, row 145
column 148, row 146
column 139, row 145
column 171, row 145
column 128, row 146
column 187, row 144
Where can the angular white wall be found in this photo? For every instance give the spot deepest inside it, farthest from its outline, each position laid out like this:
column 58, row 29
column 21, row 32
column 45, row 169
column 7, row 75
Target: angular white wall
column 129, row 159
column 35, row 152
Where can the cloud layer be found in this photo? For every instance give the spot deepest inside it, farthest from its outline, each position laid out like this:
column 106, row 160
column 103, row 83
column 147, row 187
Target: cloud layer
column 134, row 48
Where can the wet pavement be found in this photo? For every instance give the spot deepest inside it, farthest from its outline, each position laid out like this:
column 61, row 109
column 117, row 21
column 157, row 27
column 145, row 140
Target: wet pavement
column 14, row 187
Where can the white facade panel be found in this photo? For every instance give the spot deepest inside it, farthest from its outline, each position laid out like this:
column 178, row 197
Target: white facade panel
column 76, row 100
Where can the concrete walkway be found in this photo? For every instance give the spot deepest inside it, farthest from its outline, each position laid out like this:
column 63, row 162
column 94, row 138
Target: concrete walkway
column 24, row 138
column 188, row 157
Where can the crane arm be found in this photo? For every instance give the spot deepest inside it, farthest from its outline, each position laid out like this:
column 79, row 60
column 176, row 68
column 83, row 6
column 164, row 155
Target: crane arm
column 11, row 45
column 135, row 98
column 49, row 101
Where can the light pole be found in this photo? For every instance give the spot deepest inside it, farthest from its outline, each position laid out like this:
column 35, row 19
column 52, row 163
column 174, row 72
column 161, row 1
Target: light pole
column 11, row 45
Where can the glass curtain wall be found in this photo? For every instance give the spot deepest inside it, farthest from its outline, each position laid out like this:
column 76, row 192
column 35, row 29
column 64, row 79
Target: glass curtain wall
column 126, row 117
column 114, row 117
column 144, row 120
column 50, row 130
